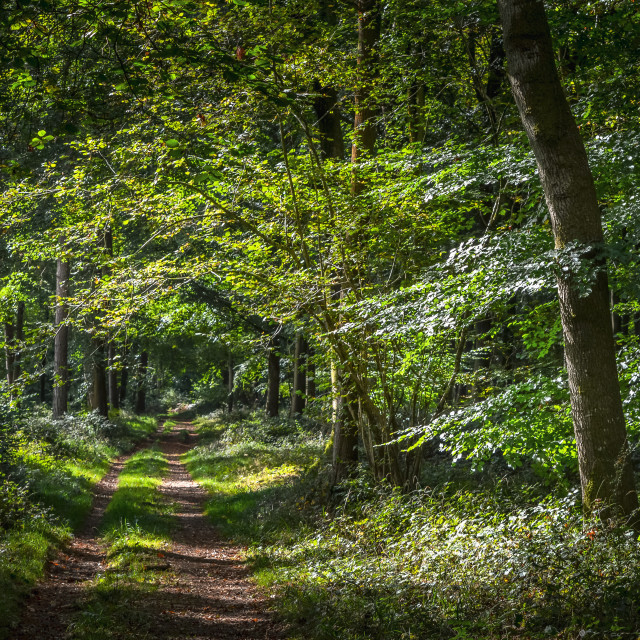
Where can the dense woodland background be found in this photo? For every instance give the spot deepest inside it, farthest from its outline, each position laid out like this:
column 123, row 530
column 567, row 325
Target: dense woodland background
column 328, row 215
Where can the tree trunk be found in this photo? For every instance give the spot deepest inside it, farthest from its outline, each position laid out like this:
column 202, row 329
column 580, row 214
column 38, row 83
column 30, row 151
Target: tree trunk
column 605, row 468
column 114, row 396
column 99, row 379
column 19, row 339
column 124, row 377
column 364, row 135
column 112, row 372
column 311, row 374
column 273, row 380
column 415, row 104
column 345, row 437
column 61, row 341
column 230, row 381
column 141, row 391
column 43, row 379
column 298, row 400
column 328, row 115
column 9, row 350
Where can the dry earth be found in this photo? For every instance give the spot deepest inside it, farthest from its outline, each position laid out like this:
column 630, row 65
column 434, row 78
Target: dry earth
column 207, row 593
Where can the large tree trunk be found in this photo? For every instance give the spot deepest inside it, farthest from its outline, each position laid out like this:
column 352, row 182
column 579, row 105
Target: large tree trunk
column 605, row 468
column 61, row 341
column 141, row 391
column 273, row 380
column 298, row 399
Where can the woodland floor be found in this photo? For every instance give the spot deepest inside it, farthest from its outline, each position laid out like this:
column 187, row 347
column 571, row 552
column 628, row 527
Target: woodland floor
column 205, row 591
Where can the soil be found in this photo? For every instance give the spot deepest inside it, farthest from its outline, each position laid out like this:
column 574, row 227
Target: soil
column 207, row 593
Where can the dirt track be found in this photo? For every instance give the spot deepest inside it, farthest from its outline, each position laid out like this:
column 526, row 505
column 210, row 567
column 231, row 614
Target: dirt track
column 207, row 593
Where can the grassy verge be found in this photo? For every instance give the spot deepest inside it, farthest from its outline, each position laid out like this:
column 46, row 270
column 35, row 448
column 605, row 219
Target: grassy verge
column 136, row 531
column 48, row 494
column 468, row 556
column 253, row 471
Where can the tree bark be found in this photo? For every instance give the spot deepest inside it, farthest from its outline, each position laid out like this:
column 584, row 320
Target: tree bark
column 9, row 350
column 345, row 437
column 19, row 339
column 311, row 373
column 99, row 379
column 364, row 135
column 114, row 396
column 112, row 371
column 141, row 391
column 273, row 380
column 605, row 468
column 328, row 115
column 124, row 377
column 230, row 380
column 61, row 341
column 43, row 379
column 298, row 399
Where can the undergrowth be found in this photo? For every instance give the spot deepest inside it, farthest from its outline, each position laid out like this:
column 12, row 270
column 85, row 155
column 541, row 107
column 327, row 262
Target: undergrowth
column 46, row 483
column 466, row 556
column 253, row 469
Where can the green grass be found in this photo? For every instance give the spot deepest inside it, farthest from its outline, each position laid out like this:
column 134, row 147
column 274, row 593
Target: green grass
column 469, row 556
column 136, row 530
column 60, row 467
column 136, row 521
column 168, row 425
column 252, row 476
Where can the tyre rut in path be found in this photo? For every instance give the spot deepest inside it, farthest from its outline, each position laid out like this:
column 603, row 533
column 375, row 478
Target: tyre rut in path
column 209, row 596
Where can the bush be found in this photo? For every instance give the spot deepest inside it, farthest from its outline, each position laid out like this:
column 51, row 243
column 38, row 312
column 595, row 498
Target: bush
column 446, row 562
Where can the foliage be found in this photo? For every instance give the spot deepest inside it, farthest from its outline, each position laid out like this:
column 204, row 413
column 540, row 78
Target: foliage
column 472, row 554
column 48, row 494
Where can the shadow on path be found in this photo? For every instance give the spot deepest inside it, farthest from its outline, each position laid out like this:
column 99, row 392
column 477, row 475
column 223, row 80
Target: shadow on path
column 205, row 592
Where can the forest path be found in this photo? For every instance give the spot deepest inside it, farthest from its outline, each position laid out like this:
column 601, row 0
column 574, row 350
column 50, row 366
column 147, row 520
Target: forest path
column 49, row 608
column 205, row 592
column 211, row 596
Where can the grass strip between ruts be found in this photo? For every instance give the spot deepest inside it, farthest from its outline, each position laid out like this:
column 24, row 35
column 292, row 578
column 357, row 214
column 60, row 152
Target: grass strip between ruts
column 136, row 530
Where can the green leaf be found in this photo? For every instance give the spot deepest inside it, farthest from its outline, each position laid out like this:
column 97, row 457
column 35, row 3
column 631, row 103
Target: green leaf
column 172, row 142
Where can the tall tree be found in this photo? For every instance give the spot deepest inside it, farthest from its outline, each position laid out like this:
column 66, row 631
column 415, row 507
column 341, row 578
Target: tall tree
column 141, row 389
column 298, row 397
column 273, row 379
column 605, row 468
column 61, row 341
